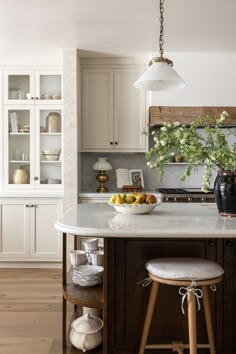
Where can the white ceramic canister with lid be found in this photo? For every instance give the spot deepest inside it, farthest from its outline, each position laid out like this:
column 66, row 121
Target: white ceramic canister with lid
column 86, row 332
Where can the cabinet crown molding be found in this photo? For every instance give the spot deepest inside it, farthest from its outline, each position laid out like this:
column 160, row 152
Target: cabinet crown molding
column 112, row 62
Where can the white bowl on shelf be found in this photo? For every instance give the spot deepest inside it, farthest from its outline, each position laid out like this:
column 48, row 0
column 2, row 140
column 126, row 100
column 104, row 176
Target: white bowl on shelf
column 134, row 208
column 53, row 181
column 52, row 151
column 51, row 157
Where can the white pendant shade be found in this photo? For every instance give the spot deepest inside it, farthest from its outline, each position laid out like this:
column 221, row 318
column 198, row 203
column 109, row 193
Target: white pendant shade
column 159, row 76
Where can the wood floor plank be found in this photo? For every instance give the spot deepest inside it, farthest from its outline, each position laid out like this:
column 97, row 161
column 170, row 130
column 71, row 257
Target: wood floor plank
column 31, row 311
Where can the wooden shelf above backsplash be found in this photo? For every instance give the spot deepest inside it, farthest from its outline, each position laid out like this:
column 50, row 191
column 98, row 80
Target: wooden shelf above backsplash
column 185, row 115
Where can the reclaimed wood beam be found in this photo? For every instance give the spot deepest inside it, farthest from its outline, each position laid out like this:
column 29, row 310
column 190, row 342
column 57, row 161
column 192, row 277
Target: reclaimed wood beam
column 185, row 115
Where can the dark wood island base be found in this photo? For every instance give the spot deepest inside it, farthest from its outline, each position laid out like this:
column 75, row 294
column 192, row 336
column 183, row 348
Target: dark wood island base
column 124, row 301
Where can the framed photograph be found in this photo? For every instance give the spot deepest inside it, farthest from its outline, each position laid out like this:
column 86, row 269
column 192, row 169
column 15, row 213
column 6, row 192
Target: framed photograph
column 136, row 178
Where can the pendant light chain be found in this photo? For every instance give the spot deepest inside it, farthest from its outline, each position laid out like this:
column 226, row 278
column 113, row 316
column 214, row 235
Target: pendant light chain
column 161, row 59
column 161, row 40
column 160, row 76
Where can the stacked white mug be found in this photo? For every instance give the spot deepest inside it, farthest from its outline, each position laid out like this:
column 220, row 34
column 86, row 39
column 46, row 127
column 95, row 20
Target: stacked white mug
column 96, row 258
column 90, row 246
column 78, row 257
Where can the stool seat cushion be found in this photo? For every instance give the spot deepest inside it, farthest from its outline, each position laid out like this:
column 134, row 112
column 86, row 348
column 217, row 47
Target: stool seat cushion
column 184, row 268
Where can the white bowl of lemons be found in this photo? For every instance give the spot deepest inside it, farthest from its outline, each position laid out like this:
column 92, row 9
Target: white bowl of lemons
column 134, row 203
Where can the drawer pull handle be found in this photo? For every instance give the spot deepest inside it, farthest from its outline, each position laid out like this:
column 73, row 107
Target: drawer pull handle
column 229, row 243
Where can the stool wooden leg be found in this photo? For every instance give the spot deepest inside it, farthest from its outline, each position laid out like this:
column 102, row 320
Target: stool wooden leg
column 208, row 319
column 149, row 314
column 192, row 328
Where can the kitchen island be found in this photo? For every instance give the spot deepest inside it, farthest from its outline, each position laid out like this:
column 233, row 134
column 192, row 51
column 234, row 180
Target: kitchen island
column 173, row 229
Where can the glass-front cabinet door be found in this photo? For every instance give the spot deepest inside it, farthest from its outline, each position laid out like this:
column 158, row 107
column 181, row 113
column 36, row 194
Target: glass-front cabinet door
column 33, row 87
column 49, row 146
column 18, row 147
column 48, row 87
column 18, row 87
column 33, row 147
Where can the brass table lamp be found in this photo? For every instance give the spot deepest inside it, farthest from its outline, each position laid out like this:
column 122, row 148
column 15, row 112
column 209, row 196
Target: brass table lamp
column 102, row 165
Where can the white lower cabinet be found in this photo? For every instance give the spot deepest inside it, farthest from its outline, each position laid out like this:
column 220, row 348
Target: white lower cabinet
column 27, row 230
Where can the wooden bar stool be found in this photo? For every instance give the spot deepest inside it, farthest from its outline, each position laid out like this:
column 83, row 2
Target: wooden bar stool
column 187, row 273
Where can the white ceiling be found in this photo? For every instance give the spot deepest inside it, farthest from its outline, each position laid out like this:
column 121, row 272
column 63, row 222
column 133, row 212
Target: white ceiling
column 123, row 27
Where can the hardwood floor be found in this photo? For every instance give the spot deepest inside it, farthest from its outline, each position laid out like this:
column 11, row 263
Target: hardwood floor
column 31, row 311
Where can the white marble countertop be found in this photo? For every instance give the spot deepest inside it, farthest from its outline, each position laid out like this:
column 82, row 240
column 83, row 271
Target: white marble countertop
column 180, row 220
column 107, row 195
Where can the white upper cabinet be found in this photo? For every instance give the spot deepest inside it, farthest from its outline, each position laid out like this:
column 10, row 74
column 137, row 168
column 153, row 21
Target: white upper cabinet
column 33, row 147
column 32, row 87
column 113, row 111
column 129, row 111
column 32, row 129
column 97, row 109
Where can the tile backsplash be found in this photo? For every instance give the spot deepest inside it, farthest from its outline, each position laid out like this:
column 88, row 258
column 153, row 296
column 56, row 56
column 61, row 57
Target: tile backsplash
column 171, row 179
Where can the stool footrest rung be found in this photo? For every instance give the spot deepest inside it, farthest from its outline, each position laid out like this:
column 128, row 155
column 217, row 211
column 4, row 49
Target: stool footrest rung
column 170, row 346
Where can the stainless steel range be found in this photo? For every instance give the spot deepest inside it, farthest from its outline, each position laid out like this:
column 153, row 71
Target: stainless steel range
column 186, row 195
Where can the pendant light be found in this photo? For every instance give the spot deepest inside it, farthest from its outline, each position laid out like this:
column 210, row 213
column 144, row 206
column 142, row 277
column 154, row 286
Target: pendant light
column 160, row 75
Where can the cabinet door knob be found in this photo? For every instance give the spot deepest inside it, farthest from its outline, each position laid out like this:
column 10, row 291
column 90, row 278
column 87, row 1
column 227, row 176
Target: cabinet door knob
column 116, row 142
column 31, row 206
column 26, row 205
column 37, row 98
column 211, row 243
column 36, row 178
column 111, row 142
column 32, row 98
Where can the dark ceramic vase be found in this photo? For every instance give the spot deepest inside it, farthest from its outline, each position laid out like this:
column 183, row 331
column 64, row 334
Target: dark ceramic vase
column 225, row 192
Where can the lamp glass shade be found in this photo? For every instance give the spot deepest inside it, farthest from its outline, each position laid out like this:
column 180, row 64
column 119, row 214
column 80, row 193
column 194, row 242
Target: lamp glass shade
column 102, row 164
column 159, row 76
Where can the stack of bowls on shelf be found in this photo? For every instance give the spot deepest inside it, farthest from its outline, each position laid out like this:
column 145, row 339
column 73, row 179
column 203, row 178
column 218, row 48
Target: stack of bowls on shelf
column 87, row 275
column 87, row 264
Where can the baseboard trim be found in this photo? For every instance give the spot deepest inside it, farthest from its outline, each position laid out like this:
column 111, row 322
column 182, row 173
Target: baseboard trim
column 51, row 265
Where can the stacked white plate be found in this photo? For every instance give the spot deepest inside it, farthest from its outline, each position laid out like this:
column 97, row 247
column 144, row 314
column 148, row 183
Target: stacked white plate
column 87, row 275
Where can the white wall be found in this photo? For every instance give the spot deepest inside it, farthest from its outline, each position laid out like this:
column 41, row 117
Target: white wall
column 55, row 59
column 210, row 80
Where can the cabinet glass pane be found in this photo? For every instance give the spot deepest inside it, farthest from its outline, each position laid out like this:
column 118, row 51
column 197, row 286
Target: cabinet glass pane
column 19, row 146
column 50, row 87
column 18, row 87
column 50, row 147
